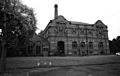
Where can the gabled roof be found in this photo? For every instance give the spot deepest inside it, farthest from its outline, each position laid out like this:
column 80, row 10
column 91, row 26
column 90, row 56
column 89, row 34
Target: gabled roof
column 61, row 18
column 99, row 22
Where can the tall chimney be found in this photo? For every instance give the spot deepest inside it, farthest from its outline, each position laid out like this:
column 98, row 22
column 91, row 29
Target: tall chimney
column 56, row 11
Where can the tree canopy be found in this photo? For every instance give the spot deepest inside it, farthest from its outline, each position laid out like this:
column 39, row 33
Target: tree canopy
column 17, row 21
column 115, row 45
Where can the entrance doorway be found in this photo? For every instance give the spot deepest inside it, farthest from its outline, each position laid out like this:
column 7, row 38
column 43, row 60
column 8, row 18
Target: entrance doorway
column 60, row 48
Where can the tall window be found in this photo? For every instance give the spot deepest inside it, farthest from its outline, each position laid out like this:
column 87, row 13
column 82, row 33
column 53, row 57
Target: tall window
column 30, row 49
column 83, row 44
column 100, row 45
column 38, row 49
column 91, row 45
column 74, row 45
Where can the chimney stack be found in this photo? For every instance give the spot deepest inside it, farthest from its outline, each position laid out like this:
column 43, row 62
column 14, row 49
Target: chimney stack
column 56, row 11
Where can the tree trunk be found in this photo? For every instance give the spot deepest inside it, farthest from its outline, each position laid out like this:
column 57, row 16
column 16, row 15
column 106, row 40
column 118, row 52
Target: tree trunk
column 3, row 59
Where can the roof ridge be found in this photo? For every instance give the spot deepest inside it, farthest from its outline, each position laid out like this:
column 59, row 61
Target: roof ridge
column 76, row 22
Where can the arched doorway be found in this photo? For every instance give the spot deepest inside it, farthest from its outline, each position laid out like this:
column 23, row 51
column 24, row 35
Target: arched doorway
column 60, row 48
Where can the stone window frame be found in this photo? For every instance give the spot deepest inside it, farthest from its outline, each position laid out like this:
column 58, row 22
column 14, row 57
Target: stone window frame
column 82, row 31
column 74, row 30
column 38, row 48
column 82, row 44
column 74, row 45
column 100, row 45
column 90, row 32
column 90, row 45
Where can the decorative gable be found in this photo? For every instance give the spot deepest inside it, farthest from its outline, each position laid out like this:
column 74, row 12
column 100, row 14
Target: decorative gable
column 99, row 22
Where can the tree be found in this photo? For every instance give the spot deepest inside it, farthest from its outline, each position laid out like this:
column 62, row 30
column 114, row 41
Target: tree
column 18, row 24
column 115, row 45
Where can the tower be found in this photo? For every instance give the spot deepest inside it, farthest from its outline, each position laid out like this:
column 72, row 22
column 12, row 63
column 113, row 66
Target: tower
column 56, row 11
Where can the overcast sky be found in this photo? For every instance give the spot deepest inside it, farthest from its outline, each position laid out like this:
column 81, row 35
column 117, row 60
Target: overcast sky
column 87, row 11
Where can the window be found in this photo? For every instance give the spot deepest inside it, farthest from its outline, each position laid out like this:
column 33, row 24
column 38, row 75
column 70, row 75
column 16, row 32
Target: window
column 82, row 32
column 30, row 49
column 90, row 32
column 74, row 45
column 100, row 45
column 83, row 44
column 73, row 31
column 91, row 45
column 38, row 49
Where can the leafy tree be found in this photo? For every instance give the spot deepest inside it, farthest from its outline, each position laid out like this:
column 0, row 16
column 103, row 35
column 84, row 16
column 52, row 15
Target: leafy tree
column 115, row 45
column 17, row 22
column 20, row 21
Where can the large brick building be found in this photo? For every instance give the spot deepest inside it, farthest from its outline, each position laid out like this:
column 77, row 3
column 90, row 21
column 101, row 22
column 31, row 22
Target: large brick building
column 75, row 38
column 63, row 37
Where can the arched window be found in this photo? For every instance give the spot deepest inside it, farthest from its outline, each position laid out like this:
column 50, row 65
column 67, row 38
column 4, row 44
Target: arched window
column 82, row 44
column 74, row 45
column 91, row 45
column 100, row 45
